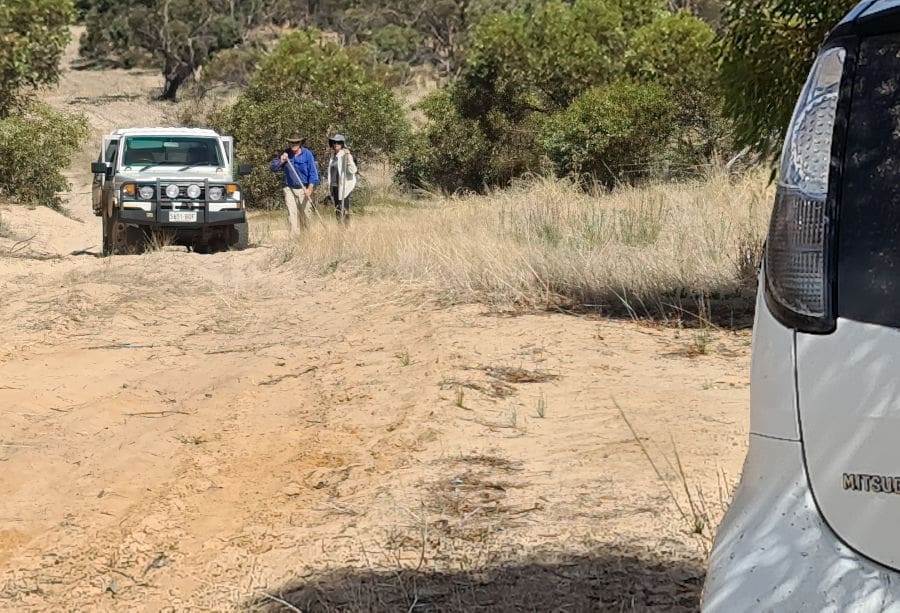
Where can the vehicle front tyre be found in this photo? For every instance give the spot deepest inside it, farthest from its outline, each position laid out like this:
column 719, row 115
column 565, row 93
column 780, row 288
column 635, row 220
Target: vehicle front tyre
column 239, row 236
column 122, row 239
column 105, row 237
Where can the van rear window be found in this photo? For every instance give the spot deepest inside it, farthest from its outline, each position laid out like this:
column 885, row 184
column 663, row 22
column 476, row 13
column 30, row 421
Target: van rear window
column 868, row 283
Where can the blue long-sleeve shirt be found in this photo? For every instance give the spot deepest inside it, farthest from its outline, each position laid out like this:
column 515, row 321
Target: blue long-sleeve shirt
column 303, row 163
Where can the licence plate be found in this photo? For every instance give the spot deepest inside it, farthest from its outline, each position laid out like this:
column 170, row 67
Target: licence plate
column 187, row 216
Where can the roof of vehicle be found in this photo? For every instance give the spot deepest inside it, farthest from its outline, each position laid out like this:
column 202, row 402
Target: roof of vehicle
column 165, row 132
column 870, row 17
column 878, row 6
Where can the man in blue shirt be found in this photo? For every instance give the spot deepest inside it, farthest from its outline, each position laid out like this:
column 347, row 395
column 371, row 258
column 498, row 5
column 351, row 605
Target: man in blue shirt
column 300, row 179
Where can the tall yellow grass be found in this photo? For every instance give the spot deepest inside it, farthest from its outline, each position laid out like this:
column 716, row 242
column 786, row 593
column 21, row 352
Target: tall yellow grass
column 650, row 250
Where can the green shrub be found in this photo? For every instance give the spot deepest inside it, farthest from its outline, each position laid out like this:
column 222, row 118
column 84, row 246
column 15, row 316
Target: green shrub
column 306, row 85
column 34, row 35
column 393, row 74
column 449, row 154
column 521, row 62
column 454, row 154
column 34, row 148
column 396, row 43
column 611, row 133
column 678, row 51
column 231, row 68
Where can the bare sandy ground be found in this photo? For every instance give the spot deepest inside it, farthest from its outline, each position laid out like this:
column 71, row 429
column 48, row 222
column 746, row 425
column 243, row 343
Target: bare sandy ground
column 187, row 432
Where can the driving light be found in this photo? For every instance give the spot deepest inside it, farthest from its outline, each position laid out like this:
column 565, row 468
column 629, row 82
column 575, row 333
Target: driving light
column 172, row 191
column 216, row 193
column 128, row 190
column 145, row 192
column 193, row 191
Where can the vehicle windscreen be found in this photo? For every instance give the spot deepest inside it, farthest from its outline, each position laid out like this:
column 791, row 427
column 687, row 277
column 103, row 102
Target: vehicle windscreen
column 171, row 151
column 868, row 282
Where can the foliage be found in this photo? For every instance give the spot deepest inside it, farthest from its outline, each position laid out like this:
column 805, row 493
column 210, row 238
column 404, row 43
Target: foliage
column 396, row 43
column 611, row 133
column 390, row 74
column 453, row 153
column 34, row 35
column 450, row 152
column 316, row 88
column 321, row 14
column 34, row 146
column 768, row 47
column 591, row 87
column 442, row 26
column 520, row 62
column 233, row 68
column 179, row 36
column 678, row 51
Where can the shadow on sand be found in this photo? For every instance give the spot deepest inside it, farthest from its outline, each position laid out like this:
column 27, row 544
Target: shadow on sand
column 607, row 580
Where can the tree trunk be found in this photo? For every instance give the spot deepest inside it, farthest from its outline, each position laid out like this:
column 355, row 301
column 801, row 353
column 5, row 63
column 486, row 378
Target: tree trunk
column 170, row 91
column 175, row 78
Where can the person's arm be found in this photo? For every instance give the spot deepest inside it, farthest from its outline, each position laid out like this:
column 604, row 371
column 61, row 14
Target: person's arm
column 311, row 172
column 277, row 164
column 351, row 163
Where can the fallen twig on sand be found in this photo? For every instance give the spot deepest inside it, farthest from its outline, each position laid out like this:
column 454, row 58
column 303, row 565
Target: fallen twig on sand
column 284, row 603
column 244, row 349
column 281, row 378
column 156, row 414
column 122, row 346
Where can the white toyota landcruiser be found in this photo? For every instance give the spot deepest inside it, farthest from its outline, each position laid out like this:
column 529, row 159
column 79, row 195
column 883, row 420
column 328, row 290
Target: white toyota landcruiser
column 176, row 183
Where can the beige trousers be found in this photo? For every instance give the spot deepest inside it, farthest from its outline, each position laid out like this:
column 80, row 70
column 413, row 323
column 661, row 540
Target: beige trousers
column 292, row 198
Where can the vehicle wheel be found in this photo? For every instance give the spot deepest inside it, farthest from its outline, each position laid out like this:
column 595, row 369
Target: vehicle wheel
column 105, row 235
column 200, row 247
column 122, row 239
column 138, row 241
column 218, row 244
column 239, row 237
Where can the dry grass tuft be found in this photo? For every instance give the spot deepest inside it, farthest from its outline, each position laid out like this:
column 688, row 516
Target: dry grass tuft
column 473, row 503
column 648, row 252
column 699, row 513
column 491, row 389
column 510, row 374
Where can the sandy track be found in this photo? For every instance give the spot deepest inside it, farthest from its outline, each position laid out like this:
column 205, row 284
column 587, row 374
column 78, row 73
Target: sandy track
column 193, row 432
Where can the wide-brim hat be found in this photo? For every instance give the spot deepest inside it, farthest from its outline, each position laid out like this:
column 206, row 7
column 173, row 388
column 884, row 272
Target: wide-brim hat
column 338, row 138
column 295, row 139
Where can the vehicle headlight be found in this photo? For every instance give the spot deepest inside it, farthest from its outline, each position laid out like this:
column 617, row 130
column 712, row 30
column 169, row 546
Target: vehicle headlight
column 193, row 191
column 172, row 191
column 145, row 192
column 234, row 192
column 216, row 193
column 128, row 190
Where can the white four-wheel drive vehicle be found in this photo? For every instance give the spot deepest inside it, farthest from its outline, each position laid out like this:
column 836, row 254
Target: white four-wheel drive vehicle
column 177, row 184
column 815, row 523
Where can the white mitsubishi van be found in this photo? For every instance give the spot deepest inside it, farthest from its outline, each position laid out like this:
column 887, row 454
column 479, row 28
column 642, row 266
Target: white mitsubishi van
column 815, row 523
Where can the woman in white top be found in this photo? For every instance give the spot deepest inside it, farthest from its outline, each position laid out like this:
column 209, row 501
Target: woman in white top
column 341, row 176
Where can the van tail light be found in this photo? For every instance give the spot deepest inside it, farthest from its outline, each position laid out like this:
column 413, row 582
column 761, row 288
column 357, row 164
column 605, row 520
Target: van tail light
column 797, row 248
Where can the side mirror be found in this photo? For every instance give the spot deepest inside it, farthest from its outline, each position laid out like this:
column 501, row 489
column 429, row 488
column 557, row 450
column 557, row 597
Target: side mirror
column 244, row 170
column 99, row 168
